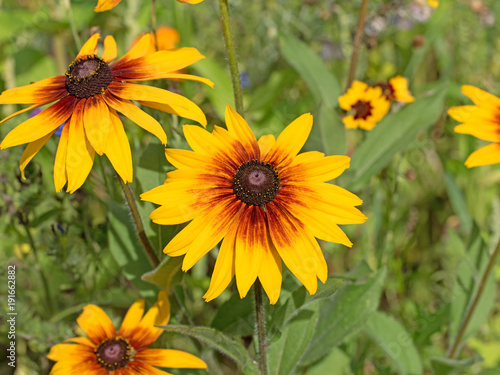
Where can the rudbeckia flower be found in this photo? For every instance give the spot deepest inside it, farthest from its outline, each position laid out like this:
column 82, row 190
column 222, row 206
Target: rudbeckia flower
column 481, row 120
column 433, row 3
column 88, row 98
column 264, row 201
column 368, row 103
column 103, row 5
column 163, row 38
column 396, row 90
column 126, row 352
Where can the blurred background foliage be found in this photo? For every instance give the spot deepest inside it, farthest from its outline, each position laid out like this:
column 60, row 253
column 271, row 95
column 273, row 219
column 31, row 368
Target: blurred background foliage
column 432, row 222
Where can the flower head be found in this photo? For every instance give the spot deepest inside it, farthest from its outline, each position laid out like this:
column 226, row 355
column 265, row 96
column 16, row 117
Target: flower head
column 88, row 98
column 481, row 120
column 368, row 103
column 103, row 5
column 433, row 3
column 163, row 38
column 263, row 200
column 126, row 352
column 396, row 90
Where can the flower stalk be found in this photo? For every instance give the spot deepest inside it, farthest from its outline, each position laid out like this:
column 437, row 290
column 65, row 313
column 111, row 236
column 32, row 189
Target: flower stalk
column 260, row 324
column 357, row 43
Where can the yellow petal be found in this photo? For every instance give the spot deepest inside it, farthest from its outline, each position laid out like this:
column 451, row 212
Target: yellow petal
column 170, row 358
column 40, row 125
column 97, row 123
column 135, row 114
column 290, row 141
column 266, row 142
column 103, row 5
column 481, row 97
column 158, row 315
column 484, row 156
column 270, row 274
column 30, row 151
column 60, row 175
column 318, row 169
column 132, row 318
column 110, row 50
column 184, row 158
column 96, row 324
column 167, row 37
column 39, row 93
column 139, row 50
column 190, row 1
column 239, row 128
column 90, row 46
column 80, row 154
column 118, row 148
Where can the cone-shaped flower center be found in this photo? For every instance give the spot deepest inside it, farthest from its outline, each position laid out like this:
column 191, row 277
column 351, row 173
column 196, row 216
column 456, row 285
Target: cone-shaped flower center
column 363, row 109
column 387, row 91
column 256, row 183
column 88, row 76
column 113, row 354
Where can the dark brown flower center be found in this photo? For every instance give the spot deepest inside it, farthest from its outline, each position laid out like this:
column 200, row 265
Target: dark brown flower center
column 113, row 354
column 363, row 109
column 256, row 183
column 387, row 90
column 88, row 76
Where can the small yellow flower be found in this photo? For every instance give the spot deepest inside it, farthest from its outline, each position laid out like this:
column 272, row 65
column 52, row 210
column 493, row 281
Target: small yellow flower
column 396, row 90
column 126, row 352
column 433, row 3
column 87, row 99
column 103, row 5
column 263, row 200
column 481, row 120
column 368, row 103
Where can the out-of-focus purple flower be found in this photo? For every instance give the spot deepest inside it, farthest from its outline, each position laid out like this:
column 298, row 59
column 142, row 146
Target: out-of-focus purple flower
column 36, row 111
column 59, row 130
column 244, row 80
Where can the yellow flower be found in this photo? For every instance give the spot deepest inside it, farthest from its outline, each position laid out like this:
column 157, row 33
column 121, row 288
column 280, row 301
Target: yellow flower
column 433, row 3
column 481, row 120
column 164, row 38
column 103, row 5
column 126, row 352
column 368, row 103
column 88, row 98
column 396, row 90
column 263, row 200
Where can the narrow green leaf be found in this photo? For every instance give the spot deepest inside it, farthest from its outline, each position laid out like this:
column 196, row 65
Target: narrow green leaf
column 447, row 366
column 344, row 315
column 221, row 342
column 322, row 83
column 394, row 134
column 236, row 316
column 396, row 342
column 458, row 202
column 284, row 354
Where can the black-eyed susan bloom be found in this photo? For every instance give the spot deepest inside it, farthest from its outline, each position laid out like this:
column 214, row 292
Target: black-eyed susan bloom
column 368, row 104
column 264, row 201
column 103, row 5
column 88, row 98
column 396, row 90
column 482, row 120
column 126, row 352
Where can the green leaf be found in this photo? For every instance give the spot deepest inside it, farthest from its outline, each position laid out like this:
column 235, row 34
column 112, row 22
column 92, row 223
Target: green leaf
column 469, row 272
column 266, row 95
column 163, row 274
column 396, row 342
column 344, row 315
column 236, row 316
column 284, row 354
column 458, row 202
column 337, row 360
column 328, row 133
column 394, row 134
column 322, row 83
column 447, row 366
column 219, row 341
column 299, row 300
column 491, row 371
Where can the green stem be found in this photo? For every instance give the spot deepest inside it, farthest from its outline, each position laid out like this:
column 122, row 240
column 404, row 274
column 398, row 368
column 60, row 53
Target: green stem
column 72, row 24
column 472, row 307
column 260, row 327
column 357, row 43
column 153, row 17
column 231, row 54
column 129, row 198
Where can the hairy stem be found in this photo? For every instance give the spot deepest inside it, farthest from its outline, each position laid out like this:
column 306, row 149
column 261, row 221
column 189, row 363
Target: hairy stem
column 472, row 307
column 231, row 54
column 357, row 43
column 260, row 327
column 129, row 198
column 72, row 24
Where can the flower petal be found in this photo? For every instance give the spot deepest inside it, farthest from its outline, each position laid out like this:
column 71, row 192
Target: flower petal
column 317, row 168
column 30, row 151
column 270, row 274
column 224, row 265
column 65, row 352
column 190, row 1
column 138, row 116
column 90, row 46
column 40, row 125
column 170, row 358
column 97, row 123
column 41, row 92
column 132, row 318
column 96, row 324
column 239, row 128
column 110, row 50
column 484, row 156
column 139, row 49
column 118, row 148
column 103, row 5
column 142, row 368
column 290, row 141
column 167, row 37
column 480, row 97
column 266, row 142
column 60, row 175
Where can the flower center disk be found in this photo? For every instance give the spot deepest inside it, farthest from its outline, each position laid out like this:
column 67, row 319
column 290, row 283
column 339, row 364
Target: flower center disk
column 256, row 183
column 363, row 109
column 88, row 76
column 113, row 354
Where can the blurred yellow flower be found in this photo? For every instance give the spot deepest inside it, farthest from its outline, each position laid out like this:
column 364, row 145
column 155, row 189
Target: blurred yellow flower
column 126, row 352
column 265, row 203
column 88, row 98
column 103, row 5
column 433, row 3
column 481, row 120
column 368, row 103
column 396, row 90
